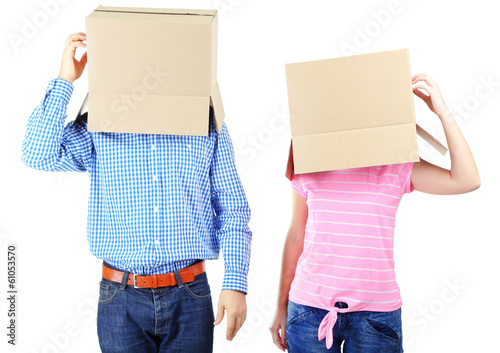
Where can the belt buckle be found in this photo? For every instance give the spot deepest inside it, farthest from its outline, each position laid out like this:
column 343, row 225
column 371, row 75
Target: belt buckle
column 154, row 285
column 135, row 282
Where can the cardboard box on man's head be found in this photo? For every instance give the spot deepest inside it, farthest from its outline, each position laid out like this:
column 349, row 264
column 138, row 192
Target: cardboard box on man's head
column 352, row 112
column 152, row 70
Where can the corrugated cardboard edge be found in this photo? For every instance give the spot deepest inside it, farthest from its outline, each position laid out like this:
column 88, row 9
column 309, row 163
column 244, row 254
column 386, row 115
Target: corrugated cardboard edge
column 216, row 101
column 290, row 170
column 164, row 11
column 289, row 166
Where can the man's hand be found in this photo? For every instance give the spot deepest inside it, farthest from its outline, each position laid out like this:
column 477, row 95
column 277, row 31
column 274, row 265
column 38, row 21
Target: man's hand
column 234, row 303
column 71, row 69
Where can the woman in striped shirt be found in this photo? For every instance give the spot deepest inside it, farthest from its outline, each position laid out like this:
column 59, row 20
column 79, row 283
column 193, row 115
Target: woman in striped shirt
column 337, row 277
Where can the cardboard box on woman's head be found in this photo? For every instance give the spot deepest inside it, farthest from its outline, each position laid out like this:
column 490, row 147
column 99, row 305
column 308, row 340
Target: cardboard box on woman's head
column 152, row 70
column 352, row 112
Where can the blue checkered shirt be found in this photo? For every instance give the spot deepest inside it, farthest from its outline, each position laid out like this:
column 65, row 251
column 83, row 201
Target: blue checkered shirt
column 157, row 202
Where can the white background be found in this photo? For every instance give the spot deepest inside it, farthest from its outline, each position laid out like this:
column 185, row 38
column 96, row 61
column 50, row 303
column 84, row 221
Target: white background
column 446, row 246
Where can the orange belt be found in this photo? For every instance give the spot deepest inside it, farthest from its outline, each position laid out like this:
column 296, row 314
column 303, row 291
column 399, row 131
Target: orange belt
column 154, row 281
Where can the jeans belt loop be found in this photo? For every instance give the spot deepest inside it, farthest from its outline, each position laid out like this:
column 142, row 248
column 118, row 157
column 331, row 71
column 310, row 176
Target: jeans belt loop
column 123, row 284
column 178, row 278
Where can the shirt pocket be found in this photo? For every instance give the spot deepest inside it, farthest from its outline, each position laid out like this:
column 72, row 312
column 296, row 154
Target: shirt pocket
column 191, row 157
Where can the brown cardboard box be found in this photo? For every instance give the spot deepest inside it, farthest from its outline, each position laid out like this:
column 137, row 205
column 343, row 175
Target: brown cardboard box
column 352, row 112
column 152, row 70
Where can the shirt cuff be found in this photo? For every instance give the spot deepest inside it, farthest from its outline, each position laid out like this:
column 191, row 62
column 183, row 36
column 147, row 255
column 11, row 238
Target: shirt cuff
column 235, row 281
column 59, row 87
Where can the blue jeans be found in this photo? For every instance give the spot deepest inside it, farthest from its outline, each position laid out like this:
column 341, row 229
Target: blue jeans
column 168, row 319
column 360, row 331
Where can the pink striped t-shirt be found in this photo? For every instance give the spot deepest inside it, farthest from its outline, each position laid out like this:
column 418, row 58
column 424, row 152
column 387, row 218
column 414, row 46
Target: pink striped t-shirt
column 348, row 242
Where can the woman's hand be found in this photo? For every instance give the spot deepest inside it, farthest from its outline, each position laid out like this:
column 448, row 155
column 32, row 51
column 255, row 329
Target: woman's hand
column 71, row 69
column 278, row 327
column 294, row 245
column 433, row 98
column 463, row 175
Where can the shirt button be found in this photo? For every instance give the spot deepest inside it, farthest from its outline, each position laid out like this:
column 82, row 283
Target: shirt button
column 155, row 178
column 189, row 146
column 157, row 242
column 156, row 209
column 153, row 147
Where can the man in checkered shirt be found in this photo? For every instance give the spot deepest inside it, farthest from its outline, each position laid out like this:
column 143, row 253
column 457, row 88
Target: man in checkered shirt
column 159, row 206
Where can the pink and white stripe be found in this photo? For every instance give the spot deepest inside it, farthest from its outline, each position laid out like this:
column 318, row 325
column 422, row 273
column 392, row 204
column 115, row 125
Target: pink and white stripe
column 349, row 238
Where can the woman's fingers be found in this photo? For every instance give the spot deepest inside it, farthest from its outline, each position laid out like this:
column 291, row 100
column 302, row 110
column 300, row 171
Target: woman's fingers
column 426, row 78
column 283, row 336
column 278, row 339
column 421, row 95
column 421, row 88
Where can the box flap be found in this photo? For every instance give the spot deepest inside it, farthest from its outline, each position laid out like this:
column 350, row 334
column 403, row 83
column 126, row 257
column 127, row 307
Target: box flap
column 420, row 131
column 431, row 140
column 216, row 101
column 355, row 148
column 182, row 115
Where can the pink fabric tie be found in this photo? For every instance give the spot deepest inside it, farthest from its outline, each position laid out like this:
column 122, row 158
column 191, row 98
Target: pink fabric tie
column 326, row 327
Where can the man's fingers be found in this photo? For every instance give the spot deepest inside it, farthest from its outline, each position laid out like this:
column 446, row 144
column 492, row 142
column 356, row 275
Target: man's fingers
column 233, row 303
column 234, row 323
column 240, row 320
column 83, row 59
column 231, row 324
column 77, row 44
column 220, row 315
column 71, row 49
column 75, row 36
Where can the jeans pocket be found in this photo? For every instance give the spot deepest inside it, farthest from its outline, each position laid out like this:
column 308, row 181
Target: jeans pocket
column 199, row 288
column 382, row 329
column 107, row 291
column 298, row 312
